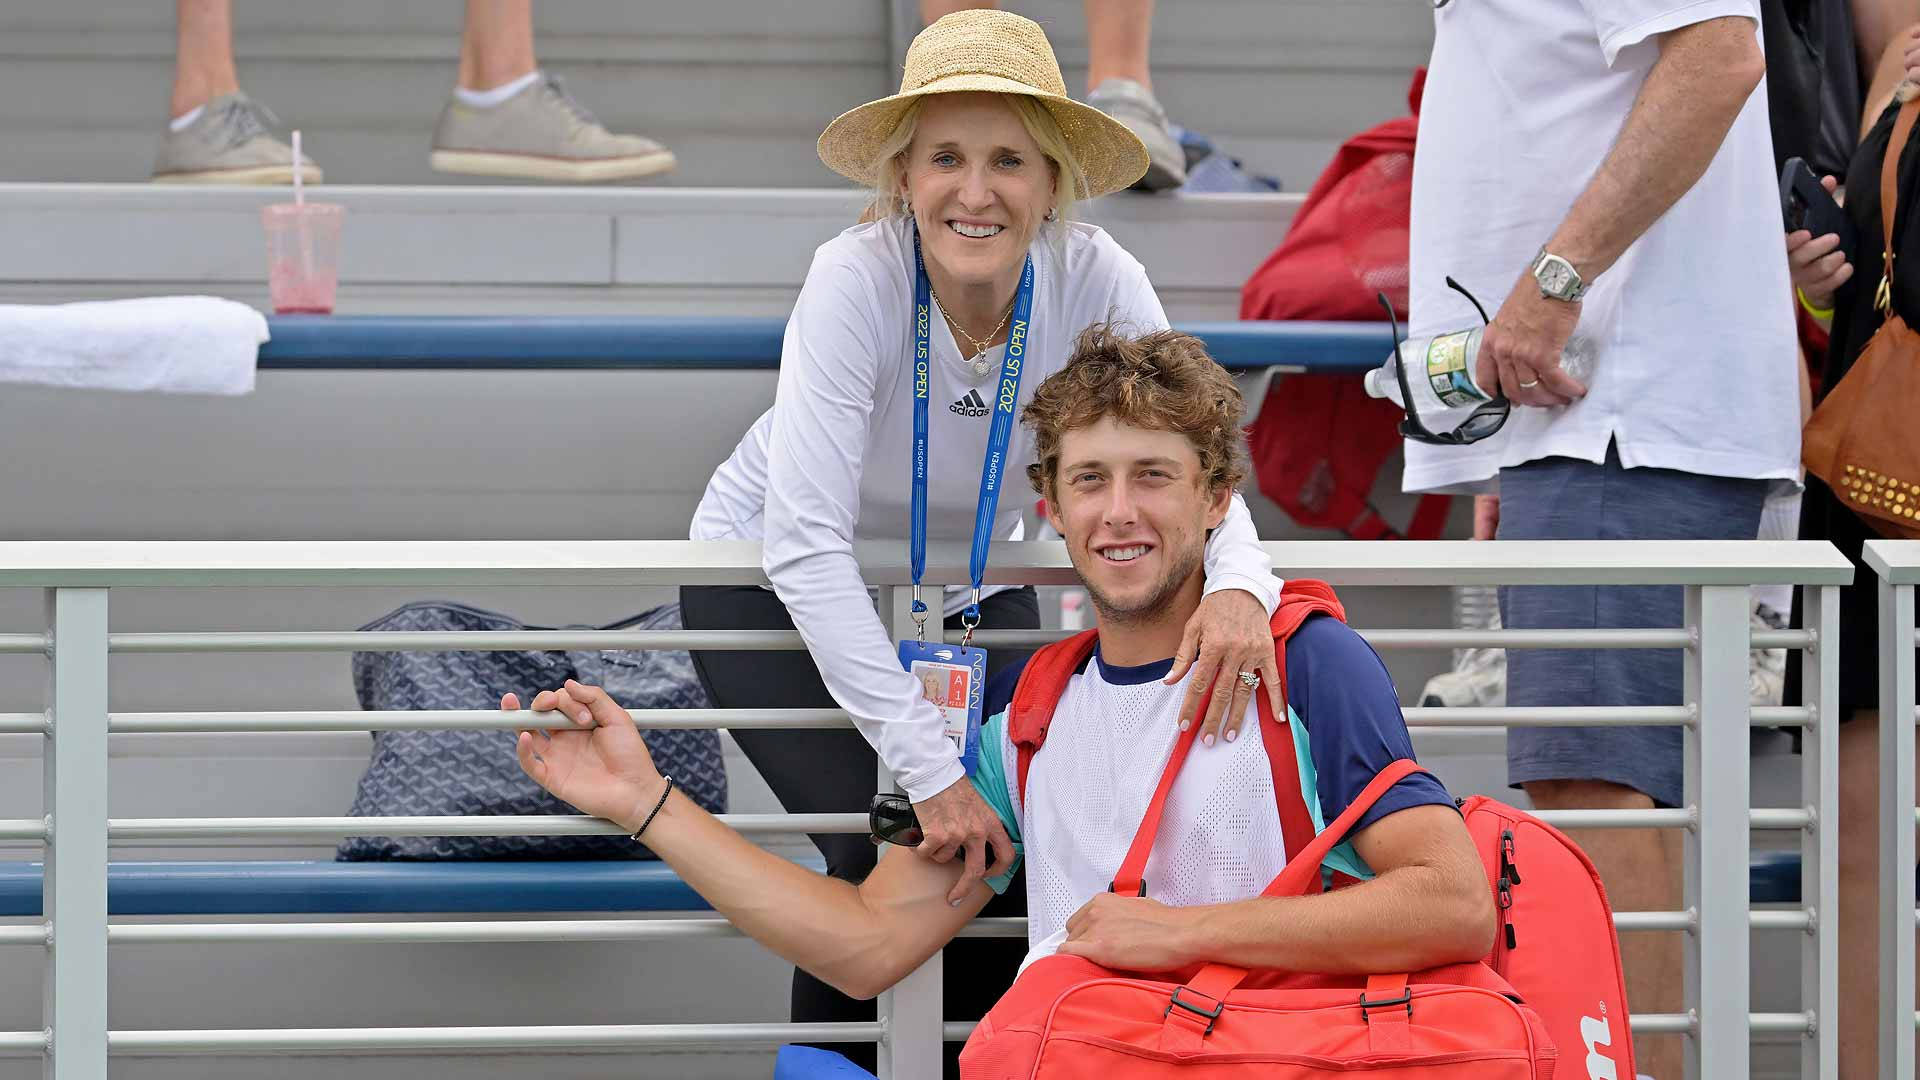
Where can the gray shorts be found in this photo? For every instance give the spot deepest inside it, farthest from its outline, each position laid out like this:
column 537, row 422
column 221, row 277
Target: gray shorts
column 1568, row 499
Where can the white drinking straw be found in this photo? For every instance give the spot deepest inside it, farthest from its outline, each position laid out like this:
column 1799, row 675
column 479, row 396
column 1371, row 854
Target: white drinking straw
column 299, row 193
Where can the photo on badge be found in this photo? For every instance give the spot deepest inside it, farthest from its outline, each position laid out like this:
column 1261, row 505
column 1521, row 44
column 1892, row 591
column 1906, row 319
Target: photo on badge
column 953, row 680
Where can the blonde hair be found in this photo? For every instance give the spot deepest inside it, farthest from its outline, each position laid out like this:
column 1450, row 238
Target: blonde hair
column 1069, row 180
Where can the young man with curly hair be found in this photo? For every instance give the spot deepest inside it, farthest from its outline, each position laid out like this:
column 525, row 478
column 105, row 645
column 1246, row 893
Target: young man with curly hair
column 1139, row 449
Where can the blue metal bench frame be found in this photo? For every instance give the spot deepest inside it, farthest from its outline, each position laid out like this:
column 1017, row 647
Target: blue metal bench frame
column 337, row 888
column 522, row 342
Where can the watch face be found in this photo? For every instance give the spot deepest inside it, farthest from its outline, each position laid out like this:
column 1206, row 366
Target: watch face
column 1555, row 278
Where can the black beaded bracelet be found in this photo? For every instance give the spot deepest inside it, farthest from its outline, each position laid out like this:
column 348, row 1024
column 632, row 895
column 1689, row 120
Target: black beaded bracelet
column 656, row 810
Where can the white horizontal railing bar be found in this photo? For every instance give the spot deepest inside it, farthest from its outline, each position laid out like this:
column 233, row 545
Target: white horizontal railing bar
column 436, row 932
column 455, row 641
column 1527, row 639
column 23, row 828
column 455, row 719
column 421, row 932
column 616, row 563
column 1661, row 1022
column 30, row 934
column 139, row 723
column 1679, row 818
column 1558, row 716
column 1798, row 1023
column 128, row 830
column 561, row 1037
column 23, row 723
column 16, row 1041
column 23, row 643
column 1635, row 921
column 753, row 640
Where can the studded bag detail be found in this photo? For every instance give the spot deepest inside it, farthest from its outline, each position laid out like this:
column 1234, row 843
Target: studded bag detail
column 1860, row 439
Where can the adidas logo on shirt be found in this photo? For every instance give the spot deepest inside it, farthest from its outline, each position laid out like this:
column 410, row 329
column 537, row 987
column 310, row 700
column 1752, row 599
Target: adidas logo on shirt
column 971, row 405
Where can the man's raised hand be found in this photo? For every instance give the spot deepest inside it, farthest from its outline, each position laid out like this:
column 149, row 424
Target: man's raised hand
column 600, row 765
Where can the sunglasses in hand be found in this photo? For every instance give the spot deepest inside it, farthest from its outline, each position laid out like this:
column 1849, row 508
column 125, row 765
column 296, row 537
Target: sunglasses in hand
column 891, row 820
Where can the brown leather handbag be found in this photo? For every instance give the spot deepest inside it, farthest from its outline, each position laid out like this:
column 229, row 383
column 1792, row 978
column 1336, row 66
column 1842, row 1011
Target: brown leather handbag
column 1860, row 440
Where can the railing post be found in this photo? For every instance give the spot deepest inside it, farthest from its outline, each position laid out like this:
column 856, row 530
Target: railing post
column 1718, row 784
column 75, row 886
column 1820, row 844
column 1896, row 830
column 912, row 1041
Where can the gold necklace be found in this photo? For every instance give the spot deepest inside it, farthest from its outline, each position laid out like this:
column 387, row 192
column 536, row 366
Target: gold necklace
column 979, row 346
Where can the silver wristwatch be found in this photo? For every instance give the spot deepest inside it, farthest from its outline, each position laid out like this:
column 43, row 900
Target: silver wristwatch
column 1557, row 278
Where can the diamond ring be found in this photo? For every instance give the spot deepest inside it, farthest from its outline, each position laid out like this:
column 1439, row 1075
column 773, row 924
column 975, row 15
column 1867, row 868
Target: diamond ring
column 1251, row 678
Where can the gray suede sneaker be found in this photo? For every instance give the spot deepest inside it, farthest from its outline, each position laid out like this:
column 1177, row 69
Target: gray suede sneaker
column 540, row 133
column 229, row 144
column 1135, row 106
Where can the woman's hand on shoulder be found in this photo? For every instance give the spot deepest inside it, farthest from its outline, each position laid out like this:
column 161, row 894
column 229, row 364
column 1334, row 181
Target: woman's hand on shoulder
column 1228, row 635
column 599, row 765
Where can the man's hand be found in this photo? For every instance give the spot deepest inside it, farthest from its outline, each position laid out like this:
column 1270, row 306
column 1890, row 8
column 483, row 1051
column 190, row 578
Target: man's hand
column 601, row 767
column 1130, row 933
column 1520, row 354
column 958, row 820
column 1228, row 634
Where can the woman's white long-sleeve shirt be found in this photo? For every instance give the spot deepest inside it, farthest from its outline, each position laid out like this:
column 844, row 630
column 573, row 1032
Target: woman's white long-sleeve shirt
column 830, row 462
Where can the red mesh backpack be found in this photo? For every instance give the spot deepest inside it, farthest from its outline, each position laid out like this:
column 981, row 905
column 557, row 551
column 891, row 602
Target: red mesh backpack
column 1068, row 1019
column 1557, row 944
column 1319, row 441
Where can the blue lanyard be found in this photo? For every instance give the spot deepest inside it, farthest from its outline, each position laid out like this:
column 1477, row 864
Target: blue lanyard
column 993, row 470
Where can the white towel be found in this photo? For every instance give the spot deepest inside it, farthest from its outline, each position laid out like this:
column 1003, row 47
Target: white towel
column 169, row 344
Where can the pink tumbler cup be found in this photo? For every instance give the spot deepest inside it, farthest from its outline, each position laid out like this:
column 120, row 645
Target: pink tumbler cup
column 303, row 255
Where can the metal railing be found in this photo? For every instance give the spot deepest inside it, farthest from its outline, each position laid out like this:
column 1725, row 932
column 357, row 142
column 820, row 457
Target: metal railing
column 78, row 579
column 1897, row 564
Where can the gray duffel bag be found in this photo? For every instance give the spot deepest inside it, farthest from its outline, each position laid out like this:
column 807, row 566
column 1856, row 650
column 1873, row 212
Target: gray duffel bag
column 423, row 773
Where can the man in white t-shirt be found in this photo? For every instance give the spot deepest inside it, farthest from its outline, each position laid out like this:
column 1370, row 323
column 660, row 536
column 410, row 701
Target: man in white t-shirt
column 1603, row 170
column 1139, row 449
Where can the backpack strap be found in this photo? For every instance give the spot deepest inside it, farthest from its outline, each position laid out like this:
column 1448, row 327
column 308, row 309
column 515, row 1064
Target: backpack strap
column 1300, row 600
column 1185, row 1027
column 1041, row 684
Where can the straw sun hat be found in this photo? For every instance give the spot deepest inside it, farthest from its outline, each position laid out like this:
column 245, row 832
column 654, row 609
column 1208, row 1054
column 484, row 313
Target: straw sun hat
column 1000, row 53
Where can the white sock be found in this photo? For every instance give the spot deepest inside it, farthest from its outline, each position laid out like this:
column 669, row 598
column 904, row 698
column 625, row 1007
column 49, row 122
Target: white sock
column 185, row 120
column 487, row 99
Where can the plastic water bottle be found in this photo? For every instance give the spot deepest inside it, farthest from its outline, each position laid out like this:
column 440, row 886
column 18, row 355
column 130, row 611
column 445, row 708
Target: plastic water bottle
column 1440, row 371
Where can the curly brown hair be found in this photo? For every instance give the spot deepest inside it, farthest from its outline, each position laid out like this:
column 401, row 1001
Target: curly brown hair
column 1163, row 380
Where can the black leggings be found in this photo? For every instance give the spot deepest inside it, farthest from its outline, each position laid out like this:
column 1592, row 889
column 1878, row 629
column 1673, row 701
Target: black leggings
column 835, row 771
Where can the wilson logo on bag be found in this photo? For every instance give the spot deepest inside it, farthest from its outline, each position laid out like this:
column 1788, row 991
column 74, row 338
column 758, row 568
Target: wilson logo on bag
column 1556, row 945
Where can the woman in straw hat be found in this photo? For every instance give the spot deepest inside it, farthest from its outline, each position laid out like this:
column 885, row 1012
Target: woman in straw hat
column 975, row 166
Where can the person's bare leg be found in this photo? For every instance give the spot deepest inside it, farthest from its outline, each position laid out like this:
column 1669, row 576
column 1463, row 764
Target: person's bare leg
column 1118, row 33
column 496, row 44
column 931, row 10
column 1860, row 896
column 203, row 54
column 1641, row 870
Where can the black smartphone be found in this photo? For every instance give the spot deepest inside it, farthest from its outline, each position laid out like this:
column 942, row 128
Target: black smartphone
column 1805, row 204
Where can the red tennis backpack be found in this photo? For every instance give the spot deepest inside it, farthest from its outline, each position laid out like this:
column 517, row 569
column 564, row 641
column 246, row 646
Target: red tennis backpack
column 1066, row 1017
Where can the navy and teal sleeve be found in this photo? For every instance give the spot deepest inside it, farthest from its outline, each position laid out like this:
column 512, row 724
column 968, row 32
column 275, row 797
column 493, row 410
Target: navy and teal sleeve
column 990, row 778
column 1341, row 691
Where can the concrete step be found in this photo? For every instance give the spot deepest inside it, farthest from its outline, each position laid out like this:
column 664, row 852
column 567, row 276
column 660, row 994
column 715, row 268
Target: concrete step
column 739, row 89
column 520, row 250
